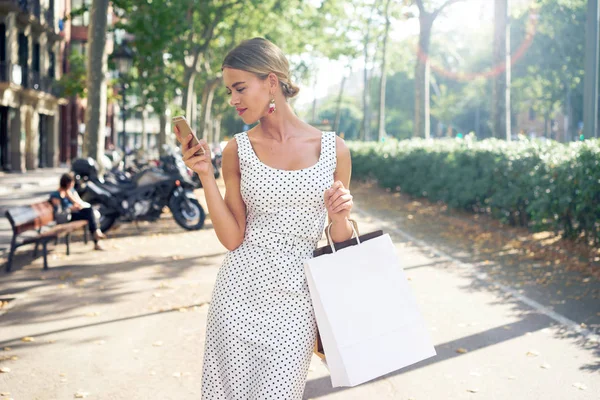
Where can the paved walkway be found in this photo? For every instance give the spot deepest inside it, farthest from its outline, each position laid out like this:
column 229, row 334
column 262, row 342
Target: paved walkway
column 14, row 181
column 129, row 323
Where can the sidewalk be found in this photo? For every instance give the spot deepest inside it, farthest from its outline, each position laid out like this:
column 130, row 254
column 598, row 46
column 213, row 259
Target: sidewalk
column 13, row 181
column 129, row 324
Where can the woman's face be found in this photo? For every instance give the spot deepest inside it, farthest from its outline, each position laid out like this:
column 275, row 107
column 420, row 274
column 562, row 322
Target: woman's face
column 250, row 95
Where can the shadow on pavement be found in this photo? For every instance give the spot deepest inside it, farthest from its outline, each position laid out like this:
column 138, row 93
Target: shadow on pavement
column 533, row 322
column 15, row 343
column 100, row 284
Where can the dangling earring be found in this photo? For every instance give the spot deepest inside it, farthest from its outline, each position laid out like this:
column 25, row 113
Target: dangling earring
column 272, row 105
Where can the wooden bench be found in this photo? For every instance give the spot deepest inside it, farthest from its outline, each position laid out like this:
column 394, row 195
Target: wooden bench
column 35, row 224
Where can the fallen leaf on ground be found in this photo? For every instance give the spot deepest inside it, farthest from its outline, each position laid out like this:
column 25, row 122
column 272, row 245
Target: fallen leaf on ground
column 533, row 353
column 65, row 276
column 461, row 350
column 81, row 395
column 4, row 370
column 28, row 339
column 545, row 366
column 473, row 390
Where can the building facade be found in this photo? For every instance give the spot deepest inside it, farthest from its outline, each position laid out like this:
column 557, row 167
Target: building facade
column 30, row 46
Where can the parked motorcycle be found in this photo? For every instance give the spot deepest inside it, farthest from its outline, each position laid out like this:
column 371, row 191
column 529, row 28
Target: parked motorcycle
column 143, row 196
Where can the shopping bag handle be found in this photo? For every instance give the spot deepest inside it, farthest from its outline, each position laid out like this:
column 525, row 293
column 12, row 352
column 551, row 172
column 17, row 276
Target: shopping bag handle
column 354, row 234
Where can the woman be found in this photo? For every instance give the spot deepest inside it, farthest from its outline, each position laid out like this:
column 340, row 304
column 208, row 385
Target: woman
column 281, row 178
column 66, row 198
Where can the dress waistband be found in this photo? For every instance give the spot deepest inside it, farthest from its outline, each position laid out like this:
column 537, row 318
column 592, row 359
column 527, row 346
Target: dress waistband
column 279, row 241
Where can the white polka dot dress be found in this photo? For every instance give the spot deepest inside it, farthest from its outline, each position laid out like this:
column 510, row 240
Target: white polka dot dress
column 261, row 327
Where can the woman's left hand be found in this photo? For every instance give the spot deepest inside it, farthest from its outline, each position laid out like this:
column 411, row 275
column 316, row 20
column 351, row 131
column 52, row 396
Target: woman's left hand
column 338, row 201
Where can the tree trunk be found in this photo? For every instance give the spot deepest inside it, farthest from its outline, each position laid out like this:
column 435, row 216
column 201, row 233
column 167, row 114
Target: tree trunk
column 382, row 82
column 425, row 23
column 189, row 77
column 208, row 95
column 338, row 111
column 144, row 128
column 568, row 115
column 499, row 126
column 364, row 133
column 217, row 130
column 95, row 114
column 162, row 133
column 366, row 125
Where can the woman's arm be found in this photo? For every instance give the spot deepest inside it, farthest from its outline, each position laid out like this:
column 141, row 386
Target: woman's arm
column 228, row 214
column 55, row 202
column 73, row 196
column 339, row 200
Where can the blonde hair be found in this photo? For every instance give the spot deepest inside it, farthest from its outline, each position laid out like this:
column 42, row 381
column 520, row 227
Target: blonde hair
column 262, row 57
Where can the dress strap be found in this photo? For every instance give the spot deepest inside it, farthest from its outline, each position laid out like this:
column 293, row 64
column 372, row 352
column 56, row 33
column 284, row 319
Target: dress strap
column 329, row 149
column 244, row 147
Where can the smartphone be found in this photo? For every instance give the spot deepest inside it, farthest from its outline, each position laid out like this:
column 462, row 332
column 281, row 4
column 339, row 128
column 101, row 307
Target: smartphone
column 184, row 129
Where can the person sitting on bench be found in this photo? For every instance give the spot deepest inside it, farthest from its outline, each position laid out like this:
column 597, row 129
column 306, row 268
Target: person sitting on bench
column 66, row 198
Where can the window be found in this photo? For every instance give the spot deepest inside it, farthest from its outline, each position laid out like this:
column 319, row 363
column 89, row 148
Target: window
column 78, row 46
column 51, row 64
column 81, row 19
column 35, row 59
column 2, row 49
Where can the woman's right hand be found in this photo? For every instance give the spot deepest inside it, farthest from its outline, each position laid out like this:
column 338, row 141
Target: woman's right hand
column 202, row 165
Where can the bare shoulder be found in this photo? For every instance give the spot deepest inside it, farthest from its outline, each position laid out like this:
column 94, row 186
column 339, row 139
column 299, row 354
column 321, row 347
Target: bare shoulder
column 342, row 151
column 231, row 148
column 230, row 156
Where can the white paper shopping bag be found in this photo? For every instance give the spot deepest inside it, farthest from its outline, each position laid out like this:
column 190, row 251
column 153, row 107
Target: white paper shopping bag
column 366, row 313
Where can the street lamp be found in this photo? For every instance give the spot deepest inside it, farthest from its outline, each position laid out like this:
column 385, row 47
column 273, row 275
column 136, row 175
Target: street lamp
column 123, row 58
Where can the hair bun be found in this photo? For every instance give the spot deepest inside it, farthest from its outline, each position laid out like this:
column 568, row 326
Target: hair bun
column 289, row 89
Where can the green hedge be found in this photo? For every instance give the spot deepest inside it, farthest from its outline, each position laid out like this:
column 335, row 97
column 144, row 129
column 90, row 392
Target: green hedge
column 541, row 185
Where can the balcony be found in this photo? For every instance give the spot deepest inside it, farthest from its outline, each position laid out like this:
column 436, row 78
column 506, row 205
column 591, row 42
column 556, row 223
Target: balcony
column 34, row 8
column 28, row 79
column 30, row 7
column 49, row 16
